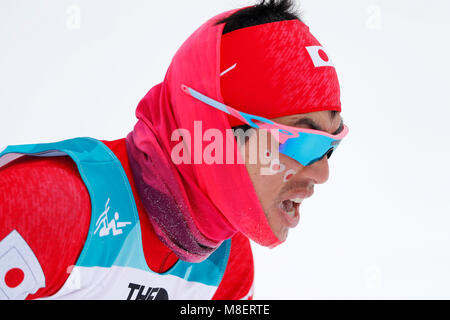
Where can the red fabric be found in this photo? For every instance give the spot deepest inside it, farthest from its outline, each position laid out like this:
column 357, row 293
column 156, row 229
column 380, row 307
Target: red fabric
column 274, row 73
column 219, row 198
column 46, row 201
column 238, row 278
column 159, row 258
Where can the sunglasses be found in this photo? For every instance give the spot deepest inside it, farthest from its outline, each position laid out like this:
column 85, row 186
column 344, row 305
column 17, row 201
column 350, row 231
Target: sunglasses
column 303, row 145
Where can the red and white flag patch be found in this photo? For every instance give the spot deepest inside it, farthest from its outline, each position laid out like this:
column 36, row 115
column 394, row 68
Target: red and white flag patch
column 20, row 271
column 319, row 56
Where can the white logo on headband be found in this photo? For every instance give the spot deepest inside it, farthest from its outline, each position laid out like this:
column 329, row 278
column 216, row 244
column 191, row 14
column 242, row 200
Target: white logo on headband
column 319, row 56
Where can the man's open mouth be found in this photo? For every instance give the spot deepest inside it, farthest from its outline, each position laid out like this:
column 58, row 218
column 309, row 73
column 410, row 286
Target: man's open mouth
column 291, row 206
column 291, row 211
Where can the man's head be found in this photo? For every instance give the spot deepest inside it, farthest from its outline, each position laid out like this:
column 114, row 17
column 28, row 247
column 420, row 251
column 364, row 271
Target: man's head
column 267, row 64
column 280, row 182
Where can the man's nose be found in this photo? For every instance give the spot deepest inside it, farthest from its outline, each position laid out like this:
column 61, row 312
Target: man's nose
column 318, row 171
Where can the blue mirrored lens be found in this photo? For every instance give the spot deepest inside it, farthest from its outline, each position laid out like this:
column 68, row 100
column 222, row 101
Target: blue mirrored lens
column 308, row 148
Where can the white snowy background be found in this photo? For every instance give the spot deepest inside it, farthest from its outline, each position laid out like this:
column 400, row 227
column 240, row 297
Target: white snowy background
column 379, row 228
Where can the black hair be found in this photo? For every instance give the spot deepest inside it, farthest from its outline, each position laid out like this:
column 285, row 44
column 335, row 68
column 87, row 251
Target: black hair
column 261, row 13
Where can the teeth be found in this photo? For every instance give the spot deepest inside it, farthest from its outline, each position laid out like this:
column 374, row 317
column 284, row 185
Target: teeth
column 297, row 200
column 291, row 213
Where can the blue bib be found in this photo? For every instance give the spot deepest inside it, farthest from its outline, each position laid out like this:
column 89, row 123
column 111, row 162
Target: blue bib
column 112, row 263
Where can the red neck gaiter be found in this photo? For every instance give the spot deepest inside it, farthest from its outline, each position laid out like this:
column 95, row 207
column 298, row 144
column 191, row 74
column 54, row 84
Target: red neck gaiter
column 193, row 207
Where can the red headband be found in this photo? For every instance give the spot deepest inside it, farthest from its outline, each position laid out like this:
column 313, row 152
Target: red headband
column 277, row 69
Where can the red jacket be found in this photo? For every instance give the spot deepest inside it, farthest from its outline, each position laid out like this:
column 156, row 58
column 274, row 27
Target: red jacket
column 46, row 201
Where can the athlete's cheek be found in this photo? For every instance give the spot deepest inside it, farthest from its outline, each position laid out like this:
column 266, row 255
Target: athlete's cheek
column 277, row 167
column 289, row 174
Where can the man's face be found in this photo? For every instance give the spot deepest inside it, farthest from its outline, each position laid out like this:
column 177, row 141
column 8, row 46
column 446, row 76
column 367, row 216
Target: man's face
column 281, row 191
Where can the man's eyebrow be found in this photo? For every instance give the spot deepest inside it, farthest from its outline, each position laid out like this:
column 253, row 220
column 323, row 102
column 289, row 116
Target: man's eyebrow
column 307, row 122
column 313, row 125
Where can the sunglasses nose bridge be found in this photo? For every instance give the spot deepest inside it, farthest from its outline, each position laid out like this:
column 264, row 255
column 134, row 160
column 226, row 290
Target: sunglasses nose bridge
column 318, row 171
column 329, row 153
